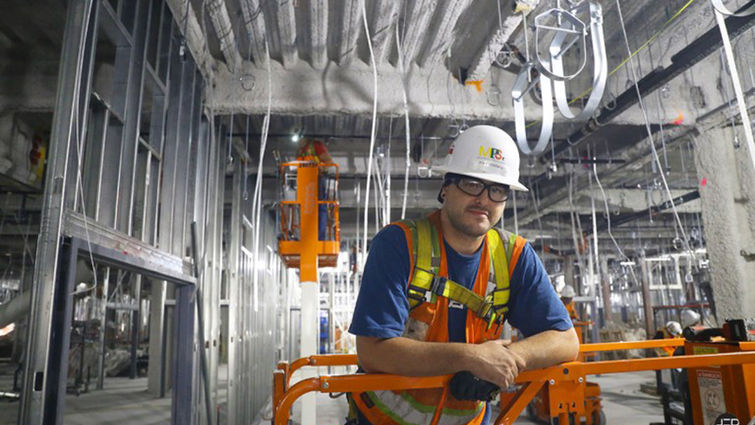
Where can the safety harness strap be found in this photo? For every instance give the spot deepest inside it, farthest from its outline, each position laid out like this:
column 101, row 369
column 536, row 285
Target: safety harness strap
column 426, row 283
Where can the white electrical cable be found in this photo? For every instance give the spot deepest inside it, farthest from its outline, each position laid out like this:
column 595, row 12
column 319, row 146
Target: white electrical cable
column 372, row 133
column 78, row 141
column 407, row 133
column 575, row 224
column 608, row 211
column 388, row 170
column 734, row 73
column 379, row 198
column 650, row 132
column 257, row 197
column 516, row 214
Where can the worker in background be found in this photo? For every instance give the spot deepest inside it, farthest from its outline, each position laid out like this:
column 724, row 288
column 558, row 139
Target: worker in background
column 690, row 318
column 431, row 303
column 315, row 151
column 672, row 330
column 567, row 297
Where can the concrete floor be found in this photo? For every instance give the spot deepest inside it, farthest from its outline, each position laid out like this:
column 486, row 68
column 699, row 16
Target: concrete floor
column 123, row 401
column 126, row 402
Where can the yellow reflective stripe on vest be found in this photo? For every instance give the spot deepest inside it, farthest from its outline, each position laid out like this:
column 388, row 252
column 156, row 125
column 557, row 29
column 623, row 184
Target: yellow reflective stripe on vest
column 423, row 273
column 500, row 259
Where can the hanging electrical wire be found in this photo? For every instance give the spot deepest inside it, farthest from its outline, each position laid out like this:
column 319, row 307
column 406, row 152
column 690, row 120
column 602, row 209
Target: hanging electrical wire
column 78, row 138
column 257, row 196
column 407, row 133
column 372, row 133
column 388, row 169
column 650, row 132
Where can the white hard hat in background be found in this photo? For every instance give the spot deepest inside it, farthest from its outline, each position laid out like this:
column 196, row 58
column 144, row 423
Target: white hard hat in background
column 487, row 153
column 689, row 317
column 568, row 292
column 674, row 328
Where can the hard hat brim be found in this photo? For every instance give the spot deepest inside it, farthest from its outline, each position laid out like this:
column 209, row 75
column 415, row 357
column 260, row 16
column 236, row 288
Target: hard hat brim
column 495, row 178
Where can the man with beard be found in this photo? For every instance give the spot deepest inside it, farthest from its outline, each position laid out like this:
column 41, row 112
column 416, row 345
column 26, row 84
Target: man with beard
column 436, row 291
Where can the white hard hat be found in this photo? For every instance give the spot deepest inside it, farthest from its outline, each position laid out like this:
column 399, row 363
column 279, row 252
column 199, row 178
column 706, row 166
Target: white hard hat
column 485, row 152
column 568, row 292
column 674, row 328
column 689, row 317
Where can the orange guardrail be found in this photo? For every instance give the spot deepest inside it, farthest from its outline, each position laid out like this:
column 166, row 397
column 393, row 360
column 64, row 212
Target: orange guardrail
column 531, row 380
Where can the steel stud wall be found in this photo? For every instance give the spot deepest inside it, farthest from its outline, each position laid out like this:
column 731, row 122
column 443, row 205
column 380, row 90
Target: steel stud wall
column 132, row 164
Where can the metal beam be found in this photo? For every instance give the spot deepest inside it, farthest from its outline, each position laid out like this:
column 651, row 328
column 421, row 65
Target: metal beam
column 136, row 254
column 685, row 59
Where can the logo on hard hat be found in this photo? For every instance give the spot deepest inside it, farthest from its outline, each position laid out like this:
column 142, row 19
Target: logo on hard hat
column 492, row 153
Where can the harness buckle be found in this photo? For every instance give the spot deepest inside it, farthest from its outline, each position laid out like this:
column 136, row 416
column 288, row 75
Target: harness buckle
column 438, row 284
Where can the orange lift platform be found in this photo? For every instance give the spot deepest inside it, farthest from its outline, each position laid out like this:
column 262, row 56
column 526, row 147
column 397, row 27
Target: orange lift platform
column 309, row 189
column 539, row 408
column 734, row 363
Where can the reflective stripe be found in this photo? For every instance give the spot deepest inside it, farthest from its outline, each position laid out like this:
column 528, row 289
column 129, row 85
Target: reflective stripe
column 499, row 257
column 404, row 410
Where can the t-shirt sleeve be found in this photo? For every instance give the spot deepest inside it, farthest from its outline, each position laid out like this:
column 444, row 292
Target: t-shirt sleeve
column 535, row 306
column 382, row 307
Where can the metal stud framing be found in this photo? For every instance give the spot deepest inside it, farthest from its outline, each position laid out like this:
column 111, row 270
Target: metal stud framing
column 127, row 172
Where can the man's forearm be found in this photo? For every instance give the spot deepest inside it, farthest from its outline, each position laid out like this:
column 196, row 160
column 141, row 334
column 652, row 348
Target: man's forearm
column 408, row 357
column 547, row 348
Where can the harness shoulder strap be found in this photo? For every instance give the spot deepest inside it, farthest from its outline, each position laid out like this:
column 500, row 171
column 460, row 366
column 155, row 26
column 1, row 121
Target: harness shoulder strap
column 422, row 278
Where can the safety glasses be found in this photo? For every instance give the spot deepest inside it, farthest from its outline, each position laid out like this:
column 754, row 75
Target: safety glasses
column 474, row 187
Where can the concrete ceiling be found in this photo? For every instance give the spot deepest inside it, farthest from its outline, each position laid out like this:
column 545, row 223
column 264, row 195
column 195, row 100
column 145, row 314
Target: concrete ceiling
column 322, row 86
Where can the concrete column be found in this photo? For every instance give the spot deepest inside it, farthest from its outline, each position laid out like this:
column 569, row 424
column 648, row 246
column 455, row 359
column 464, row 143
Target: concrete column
column 727, row 193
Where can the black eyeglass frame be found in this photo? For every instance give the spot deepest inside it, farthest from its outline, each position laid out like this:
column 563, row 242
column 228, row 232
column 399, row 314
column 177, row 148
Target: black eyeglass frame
column 485, row 186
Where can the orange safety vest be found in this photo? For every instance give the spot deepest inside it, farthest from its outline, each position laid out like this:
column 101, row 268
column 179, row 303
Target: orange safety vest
column 428, row 321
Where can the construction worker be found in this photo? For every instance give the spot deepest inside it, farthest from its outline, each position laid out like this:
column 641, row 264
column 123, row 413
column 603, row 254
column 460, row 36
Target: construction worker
column 567, row 297
column 432, row 302
column 315, row 151
column 690, row 318
column 672, row 330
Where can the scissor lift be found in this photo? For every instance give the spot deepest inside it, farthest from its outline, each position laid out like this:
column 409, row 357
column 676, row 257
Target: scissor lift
column 309, row 189
column 567, row 377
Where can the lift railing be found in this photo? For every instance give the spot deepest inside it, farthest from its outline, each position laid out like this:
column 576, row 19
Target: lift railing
column 569, row 376
column 291, row 199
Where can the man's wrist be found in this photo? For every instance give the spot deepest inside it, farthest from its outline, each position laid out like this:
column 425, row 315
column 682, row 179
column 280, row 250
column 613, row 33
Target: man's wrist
column 468, row 359
column 517, row 349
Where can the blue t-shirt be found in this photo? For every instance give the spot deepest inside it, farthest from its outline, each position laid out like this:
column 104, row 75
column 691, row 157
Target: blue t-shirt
column 382, row 307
